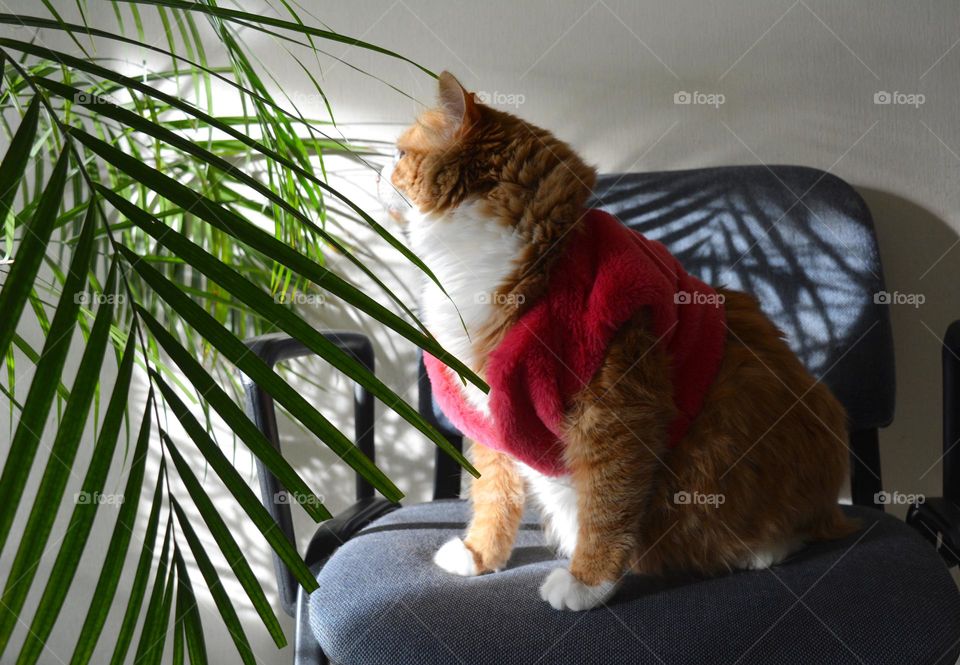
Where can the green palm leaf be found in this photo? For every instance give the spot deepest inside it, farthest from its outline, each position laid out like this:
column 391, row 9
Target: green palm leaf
column 15, row 160
column 35, row 534
column 285, row 319
column 233, row 414
column 81, row 521
column 277, row 23
column 152, row 636
column 112, row 568
column 188, row 614
column 251, row 365
column 141, row 577
column 237, row 486
column 243, row 138
column 228, row 545
column 220, row 597
column 33, row 418
column 17, row 286
column 229, row 222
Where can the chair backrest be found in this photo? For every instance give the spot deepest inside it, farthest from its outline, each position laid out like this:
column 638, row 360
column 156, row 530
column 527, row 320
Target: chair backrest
column 802, row 241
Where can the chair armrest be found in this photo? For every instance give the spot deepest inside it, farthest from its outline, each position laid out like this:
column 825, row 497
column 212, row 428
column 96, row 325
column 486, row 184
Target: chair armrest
column 938, row 518
column 335, row 532
column 272, row 349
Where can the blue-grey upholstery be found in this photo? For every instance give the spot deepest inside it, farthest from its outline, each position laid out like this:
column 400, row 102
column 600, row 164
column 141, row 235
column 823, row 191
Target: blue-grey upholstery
column 800, row 240
column 879, row 597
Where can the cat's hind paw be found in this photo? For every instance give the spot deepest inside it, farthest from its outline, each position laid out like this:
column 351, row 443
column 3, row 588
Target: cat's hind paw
column 565, row 592
column 455, row 558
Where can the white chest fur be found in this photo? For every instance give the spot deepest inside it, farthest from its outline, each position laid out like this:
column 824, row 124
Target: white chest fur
column 472, row 256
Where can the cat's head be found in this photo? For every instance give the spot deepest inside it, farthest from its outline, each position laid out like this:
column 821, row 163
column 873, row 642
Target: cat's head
column 462, row 151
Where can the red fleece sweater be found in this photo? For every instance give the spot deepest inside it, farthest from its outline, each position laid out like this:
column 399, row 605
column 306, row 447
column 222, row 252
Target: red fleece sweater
column 604, row 277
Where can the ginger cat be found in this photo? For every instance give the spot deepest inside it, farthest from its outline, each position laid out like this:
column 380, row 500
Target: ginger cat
column 661, row 424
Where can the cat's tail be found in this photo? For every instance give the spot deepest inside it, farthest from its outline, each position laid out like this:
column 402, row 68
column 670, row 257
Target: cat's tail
column 833, row 525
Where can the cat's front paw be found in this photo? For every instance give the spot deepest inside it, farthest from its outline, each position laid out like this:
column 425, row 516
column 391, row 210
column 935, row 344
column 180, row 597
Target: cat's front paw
column 565, row 592
column 454, row 557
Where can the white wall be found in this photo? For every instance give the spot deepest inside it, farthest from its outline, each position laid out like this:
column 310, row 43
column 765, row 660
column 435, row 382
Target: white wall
column 799, row 79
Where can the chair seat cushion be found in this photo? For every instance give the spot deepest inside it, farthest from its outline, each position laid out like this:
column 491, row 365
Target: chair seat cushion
column 880, row 596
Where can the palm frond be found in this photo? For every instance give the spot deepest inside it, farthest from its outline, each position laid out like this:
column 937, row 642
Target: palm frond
column 158, row 228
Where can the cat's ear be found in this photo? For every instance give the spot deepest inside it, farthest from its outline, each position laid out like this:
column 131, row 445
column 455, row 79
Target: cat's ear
column 459, row 106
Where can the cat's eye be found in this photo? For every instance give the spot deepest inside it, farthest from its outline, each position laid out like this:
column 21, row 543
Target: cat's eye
column 398, row 154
